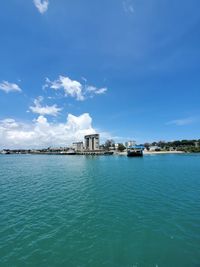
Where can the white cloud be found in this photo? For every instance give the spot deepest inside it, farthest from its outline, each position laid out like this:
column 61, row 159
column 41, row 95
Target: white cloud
column 9, row 123
column 71, row 88
column 95, row 90
column 74, row 88
column 9, row 87
column 44, row 110
column 128, row 6
column 101, row 91
column 41, row 5
column 41, row 133
column 182, row 122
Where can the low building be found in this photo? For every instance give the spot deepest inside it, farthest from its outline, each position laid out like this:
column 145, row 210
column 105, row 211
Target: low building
column 130, row 143
column 116, row 146
column 154, row 148
column 92, row 142
column 196, row 144
column 77, row 146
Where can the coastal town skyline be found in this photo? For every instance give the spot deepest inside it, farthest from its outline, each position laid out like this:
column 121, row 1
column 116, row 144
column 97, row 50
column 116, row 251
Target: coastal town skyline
column 76, row 69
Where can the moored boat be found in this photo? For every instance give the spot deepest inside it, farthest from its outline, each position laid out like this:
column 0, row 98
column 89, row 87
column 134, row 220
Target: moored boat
column 135, row 151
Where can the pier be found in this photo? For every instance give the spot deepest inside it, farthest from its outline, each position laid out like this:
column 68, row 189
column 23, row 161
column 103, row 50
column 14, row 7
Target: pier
column 94, row 153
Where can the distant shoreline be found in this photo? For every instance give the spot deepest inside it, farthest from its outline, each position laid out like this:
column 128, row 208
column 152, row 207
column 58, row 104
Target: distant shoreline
column 100, row 153
column 163, row 152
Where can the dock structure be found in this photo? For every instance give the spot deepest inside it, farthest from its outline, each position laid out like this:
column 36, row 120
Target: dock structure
column 95, row 153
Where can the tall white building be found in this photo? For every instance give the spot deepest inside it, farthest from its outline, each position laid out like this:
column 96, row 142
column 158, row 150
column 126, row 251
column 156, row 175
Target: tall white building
column 92, row 142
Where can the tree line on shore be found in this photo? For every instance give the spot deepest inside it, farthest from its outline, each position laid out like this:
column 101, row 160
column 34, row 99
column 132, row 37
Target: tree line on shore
column 178, row 145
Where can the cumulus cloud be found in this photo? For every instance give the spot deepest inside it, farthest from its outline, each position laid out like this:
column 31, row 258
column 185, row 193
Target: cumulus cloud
column 182, row 122
column 9, row 87
column 41, row 5
column 71, row 88
column 42, row 133
column 44, row 110
column 74, row 88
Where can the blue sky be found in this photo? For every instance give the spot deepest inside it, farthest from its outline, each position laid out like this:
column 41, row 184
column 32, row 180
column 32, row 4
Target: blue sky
column 130, row 68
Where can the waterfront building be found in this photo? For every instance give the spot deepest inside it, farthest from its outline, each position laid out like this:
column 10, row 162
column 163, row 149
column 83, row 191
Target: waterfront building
column 78, row 146
column 92, row 142
column 196, row 144
column 130, row 143
column 116, row 146
column 154, row 148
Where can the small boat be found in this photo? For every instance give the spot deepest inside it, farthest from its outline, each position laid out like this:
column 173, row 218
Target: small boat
column 70, row 152
column 5, row 152
column 135, row 151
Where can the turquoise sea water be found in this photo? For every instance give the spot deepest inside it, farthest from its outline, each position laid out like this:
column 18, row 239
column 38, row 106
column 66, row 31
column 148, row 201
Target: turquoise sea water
column 112, row 211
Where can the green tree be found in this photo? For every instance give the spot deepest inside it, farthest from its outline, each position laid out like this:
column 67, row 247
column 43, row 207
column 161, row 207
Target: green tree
column 121, row 147
column 109, row 143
